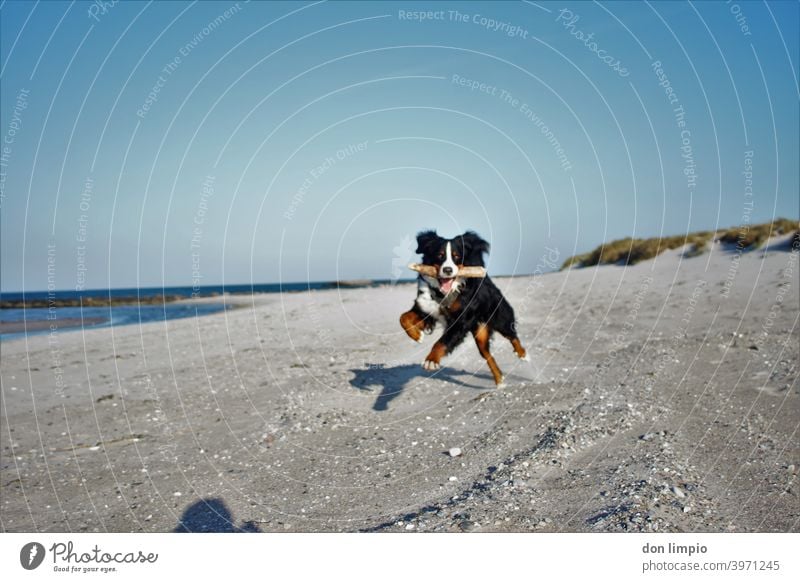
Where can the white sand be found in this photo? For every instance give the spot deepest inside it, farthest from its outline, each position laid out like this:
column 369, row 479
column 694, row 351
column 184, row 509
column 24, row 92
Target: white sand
column 643, row 408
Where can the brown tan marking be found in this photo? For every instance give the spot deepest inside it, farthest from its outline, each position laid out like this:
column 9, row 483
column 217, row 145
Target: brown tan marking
column 413, row 325
column 521, row 353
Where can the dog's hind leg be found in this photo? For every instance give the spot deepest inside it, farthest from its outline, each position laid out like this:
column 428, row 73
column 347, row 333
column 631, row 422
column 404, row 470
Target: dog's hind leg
column 504, row 324
column 517, row 345
column 518, row 349
column 482, row 335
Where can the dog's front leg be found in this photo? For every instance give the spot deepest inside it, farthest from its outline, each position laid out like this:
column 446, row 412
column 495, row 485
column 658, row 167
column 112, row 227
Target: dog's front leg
column 453, row 336
column 413, row 323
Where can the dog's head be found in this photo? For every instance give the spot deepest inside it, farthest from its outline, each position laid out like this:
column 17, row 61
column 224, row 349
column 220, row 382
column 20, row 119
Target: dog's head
column 449, row 255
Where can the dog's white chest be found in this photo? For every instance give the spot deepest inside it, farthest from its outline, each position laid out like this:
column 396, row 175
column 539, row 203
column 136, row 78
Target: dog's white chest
column 426, row 302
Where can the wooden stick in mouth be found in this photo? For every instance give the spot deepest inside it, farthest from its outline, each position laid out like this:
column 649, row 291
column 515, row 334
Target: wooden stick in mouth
column 465, row 271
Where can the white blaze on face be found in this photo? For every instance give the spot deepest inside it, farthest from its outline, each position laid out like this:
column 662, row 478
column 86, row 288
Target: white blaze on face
column 448, row 271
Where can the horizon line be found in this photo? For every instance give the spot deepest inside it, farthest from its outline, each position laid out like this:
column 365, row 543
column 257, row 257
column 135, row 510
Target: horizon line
column 329, row 282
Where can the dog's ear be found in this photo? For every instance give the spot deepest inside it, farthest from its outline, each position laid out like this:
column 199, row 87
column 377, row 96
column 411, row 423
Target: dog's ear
column 474, row 248
column 424, row 239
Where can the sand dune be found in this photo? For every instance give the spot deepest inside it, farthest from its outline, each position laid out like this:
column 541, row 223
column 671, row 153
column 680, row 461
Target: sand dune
column 659, row 397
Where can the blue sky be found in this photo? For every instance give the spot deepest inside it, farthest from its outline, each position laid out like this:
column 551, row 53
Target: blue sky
column 264, row 142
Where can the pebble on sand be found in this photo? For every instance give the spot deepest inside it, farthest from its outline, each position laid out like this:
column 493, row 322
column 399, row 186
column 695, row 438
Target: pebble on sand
column 455, row 452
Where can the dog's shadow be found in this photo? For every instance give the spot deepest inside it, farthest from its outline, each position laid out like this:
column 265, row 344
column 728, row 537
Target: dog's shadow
column 394, row 380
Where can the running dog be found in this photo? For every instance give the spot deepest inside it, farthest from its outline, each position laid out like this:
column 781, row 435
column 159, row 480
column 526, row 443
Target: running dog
column 463, row 305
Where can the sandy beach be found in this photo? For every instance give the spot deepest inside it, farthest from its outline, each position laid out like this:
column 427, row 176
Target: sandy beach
column 659, row 397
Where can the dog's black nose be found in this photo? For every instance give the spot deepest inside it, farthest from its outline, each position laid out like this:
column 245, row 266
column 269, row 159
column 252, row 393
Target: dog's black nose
column 447, row 270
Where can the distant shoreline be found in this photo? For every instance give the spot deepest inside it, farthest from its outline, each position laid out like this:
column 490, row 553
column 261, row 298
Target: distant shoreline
column 620, row 252
column 87, row 302
column 163, row 295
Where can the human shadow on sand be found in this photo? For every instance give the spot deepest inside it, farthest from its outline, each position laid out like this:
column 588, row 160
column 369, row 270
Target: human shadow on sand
column 394, row 380
column 211, row 515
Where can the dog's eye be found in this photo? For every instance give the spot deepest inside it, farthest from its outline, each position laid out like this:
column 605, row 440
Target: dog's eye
column 456, row 256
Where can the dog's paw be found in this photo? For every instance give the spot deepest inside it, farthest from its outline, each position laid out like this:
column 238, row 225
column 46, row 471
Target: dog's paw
column 525, row 358
column 438, row 351
column 431, row 365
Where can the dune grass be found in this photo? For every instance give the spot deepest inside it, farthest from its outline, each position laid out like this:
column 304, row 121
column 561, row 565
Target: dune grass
column 756, row 234
column 629, row 251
